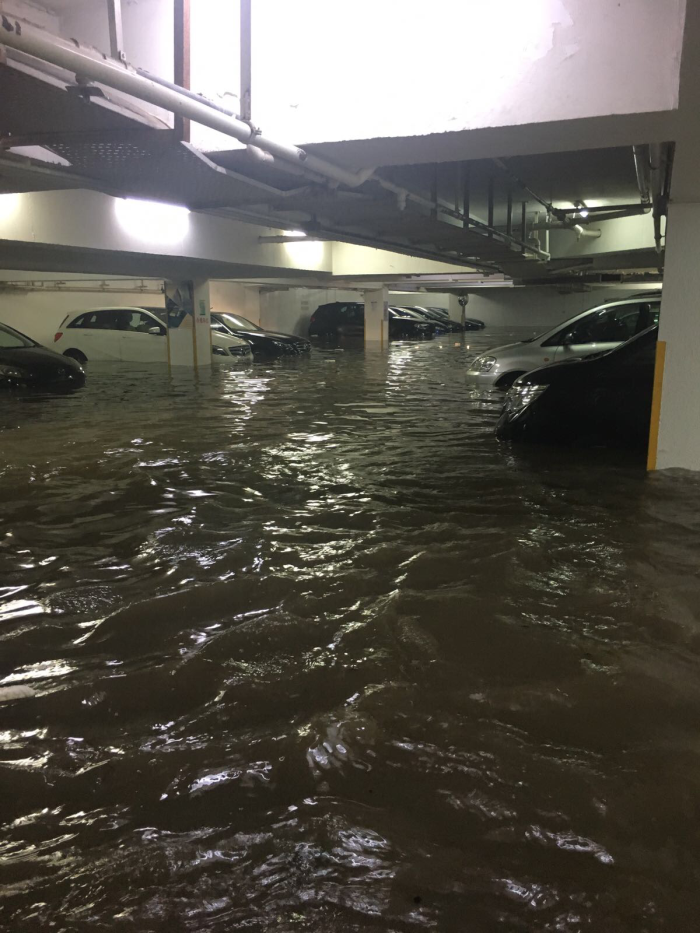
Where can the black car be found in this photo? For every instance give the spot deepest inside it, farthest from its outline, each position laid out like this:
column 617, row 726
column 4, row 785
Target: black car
column 600, row 399
column 439, row 324
column 443, row 322
column 470, row 323
column 25, row 363
column 436, row 327
column 347, row 319
column 262, row 342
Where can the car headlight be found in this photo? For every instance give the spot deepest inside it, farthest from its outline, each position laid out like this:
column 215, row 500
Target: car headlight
column 519, row 397
column 482, row 364
column 218, row 351
column 11, row 372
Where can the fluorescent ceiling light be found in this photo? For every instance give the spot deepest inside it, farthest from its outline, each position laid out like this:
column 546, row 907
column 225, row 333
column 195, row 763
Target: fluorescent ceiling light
column 294, row 233
column 153, row 221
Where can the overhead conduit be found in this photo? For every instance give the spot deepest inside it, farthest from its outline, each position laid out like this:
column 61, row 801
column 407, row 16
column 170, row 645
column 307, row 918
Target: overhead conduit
column 86, row 63
column 89, row 64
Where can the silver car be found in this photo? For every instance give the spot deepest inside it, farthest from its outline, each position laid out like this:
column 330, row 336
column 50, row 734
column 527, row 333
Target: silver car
column 594, row 331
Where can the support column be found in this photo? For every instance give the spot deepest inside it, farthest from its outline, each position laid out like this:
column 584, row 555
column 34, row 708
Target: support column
column 377, row 316
column 679, row 328
column 188, row 306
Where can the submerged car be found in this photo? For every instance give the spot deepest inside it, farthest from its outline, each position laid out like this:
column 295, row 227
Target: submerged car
column 594, row 331
column 470, row 323
column 135, row 335
column 347, row 319
column 599, row 400
column 25, row 363
column 263, row 342
column 439, row 324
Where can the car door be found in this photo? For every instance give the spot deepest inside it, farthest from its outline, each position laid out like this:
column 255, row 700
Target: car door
column 601, row 330
column 619, row 396
column 100, row 335
column 142, row 335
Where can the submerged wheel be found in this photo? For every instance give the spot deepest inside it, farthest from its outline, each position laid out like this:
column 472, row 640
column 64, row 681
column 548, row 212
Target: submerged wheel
column 76, row 355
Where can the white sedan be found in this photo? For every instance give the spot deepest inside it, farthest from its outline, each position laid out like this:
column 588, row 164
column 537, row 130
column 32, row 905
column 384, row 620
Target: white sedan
column 131, row 334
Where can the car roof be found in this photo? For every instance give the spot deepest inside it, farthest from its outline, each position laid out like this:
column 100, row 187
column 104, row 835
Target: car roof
column 612, row 302
column 114, row 308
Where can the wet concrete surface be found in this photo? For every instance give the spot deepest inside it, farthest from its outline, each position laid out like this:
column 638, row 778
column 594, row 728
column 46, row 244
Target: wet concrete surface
column 311, row 650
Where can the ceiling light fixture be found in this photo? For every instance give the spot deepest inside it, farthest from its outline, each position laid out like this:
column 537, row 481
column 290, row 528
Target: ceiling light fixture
column 153, row 221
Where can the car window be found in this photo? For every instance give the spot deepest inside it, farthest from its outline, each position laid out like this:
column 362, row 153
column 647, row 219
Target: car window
column 138, row 322
column 236, row 322
column 11, row 339
column 611, row 325
column 90, row 320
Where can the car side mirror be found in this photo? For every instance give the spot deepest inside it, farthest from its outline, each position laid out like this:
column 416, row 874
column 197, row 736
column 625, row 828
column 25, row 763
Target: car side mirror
column 567, row 339
column 156, row 331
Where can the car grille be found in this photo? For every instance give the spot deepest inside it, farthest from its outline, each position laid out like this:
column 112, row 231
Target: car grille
column 239, row 351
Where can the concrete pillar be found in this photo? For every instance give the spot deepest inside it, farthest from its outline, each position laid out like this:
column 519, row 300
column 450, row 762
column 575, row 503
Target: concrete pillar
column 377, row 316
column 679, row 328
column 188, row 306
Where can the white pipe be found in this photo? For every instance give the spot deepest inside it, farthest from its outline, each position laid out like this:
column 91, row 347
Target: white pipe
column 97, row 67
column 572, row 228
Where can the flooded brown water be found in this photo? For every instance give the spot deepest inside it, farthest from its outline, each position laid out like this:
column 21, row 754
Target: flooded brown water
column 312, row 651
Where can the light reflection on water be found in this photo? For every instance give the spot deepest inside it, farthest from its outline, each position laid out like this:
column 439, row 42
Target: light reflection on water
column 311, row 650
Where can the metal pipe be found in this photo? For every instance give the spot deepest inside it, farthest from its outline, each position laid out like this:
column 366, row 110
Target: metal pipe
column 186, row 92
column 466, row 194
column 586, row 221
column 97, row 67
column 116, row 32
column 499, row 163
column 642, row 167
column 638, row 208
column 181, row 60
column 246, row 60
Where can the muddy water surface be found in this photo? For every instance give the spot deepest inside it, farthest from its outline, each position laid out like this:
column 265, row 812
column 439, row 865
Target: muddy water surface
column 312, row 651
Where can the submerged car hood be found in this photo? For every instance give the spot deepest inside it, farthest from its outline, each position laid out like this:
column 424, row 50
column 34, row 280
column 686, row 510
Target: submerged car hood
column 35, row 357
column 556, row 372
column 506, row 346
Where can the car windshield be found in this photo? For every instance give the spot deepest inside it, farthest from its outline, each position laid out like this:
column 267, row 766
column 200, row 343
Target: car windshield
column 236, row 322
column 11, row 339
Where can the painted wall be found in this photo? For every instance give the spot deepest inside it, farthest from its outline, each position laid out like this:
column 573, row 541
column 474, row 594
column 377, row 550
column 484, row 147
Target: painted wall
column 91, row 220
column 236, row 298
column 533, row 62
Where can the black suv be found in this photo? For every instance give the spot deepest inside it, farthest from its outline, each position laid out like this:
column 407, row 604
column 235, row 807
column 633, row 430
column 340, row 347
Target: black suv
column 347, row 319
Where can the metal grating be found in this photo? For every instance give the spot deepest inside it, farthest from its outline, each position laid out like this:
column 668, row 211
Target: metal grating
column 157, row 165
